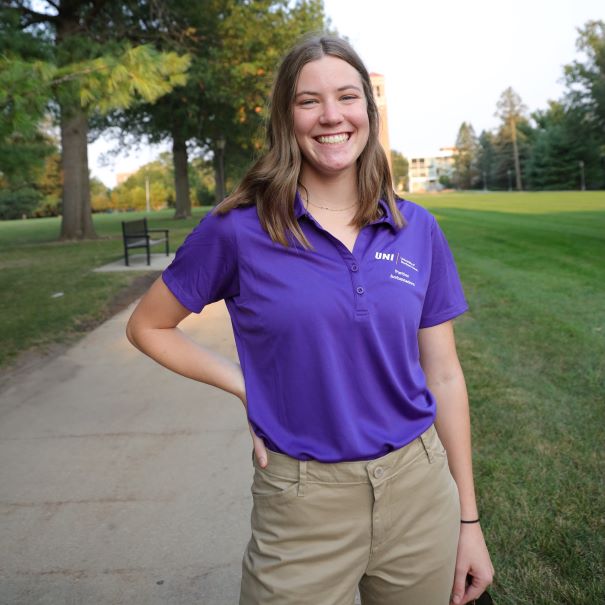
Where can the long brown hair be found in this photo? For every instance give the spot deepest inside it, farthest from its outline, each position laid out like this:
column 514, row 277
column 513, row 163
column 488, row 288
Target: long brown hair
column 272, row 180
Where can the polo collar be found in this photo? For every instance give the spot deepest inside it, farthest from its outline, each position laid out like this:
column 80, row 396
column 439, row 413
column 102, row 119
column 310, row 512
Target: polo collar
column 300, row 210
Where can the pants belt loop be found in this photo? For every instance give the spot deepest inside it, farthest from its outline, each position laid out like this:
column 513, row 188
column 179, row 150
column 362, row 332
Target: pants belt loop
column 426, row 449
column 302, row 476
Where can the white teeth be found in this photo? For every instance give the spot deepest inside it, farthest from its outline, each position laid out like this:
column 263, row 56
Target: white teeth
column 334, row 138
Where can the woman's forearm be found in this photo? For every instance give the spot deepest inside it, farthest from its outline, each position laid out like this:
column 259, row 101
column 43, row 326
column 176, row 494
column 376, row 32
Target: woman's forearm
column 453, row 428
column 174, row 350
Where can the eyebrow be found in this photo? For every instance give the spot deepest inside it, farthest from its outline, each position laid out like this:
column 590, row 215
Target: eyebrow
column 340, row 89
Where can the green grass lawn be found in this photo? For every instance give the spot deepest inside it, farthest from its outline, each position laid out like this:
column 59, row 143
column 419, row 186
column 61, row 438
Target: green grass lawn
column 533, row 351
column 34, row 266
column 532, row 347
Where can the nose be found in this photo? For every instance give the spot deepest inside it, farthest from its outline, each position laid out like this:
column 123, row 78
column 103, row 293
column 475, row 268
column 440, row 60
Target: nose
column 331, row 113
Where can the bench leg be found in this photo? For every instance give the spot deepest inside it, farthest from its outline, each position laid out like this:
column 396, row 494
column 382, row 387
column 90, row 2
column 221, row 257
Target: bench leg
column 126, row 256
column 148, row 255
column 167, row 253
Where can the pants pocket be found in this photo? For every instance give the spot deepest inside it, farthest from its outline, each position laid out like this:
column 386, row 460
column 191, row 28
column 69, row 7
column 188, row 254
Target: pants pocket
column 432, row 444
column 266, row 486
column 439, row 448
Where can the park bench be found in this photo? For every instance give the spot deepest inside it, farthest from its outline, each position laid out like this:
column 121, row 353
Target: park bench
column 136, row 235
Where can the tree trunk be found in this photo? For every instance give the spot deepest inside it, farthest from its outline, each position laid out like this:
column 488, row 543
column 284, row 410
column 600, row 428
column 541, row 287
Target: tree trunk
column 76, row 220
column 181, row 176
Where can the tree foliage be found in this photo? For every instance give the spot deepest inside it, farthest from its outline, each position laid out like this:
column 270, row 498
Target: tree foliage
column 83, row 61
column 235, row 46
column 158, row 176
column 23, row 65
column 568, row 150
column 563, row 148
column 585, row 80
column 400, row 166
column 511, row 110
column 465, row 160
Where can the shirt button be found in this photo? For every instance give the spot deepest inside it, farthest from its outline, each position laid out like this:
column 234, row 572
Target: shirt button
column 378, row 472
column 354, row 267
column 360, row 290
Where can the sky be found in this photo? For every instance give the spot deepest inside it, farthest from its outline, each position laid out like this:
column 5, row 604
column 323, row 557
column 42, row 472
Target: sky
column 444, row 63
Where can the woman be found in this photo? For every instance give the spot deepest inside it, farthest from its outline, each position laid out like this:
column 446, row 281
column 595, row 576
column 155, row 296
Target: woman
column 342, row 299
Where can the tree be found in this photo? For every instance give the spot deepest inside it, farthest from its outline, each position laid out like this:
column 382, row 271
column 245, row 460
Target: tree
column 511, row 110
column 91, row 66
column 253, row 39
column 565, row 154
column 586, row 81
column 157, row 177
column 400, row 170
column 100, row 196
column 503, row 173
column 23, row 144
column 50, row 186
column 235, row 46
column 552, row 164
column 486, row 158
column 465, row 160
column 584, row 101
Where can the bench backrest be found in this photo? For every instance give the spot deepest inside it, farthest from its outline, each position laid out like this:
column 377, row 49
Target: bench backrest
column 134, row 228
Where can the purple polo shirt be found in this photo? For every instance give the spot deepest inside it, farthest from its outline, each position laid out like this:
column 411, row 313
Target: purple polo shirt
column 327, row 339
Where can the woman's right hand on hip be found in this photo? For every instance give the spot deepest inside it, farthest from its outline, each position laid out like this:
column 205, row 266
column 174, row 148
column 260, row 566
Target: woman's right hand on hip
column 260, row 451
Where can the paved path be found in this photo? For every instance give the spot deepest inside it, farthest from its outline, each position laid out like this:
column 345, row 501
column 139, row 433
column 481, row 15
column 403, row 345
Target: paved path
column 121, row 482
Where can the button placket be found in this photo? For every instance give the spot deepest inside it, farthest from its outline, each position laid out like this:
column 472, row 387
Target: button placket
column 359, row 290
column 359, row 296
column 379, row 508
column 353, row 266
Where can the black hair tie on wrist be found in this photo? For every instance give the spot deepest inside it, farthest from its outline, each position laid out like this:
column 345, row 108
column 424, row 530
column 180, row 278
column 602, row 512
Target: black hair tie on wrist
column 473, row 521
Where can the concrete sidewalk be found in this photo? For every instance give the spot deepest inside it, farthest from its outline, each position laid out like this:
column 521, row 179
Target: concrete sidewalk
column 121, row 482
column 138, row 262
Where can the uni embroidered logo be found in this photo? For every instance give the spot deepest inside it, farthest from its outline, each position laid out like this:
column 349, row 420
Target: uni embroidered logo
column 399, row 260
column 384, row 255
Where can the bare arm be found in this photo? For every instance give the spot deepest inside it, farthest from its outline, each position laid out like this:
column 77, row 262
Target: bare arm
column 445, row 380
column 152, row 328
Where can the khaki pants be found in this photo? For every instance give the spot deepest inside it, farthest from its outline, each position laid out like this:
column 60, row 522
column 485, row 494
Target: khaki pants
column 389, row 526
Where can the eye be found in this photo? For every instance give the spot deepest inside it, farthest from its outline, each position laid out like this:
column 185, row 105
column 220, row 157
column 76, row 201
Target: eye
column 349, row 97
column 307, row 102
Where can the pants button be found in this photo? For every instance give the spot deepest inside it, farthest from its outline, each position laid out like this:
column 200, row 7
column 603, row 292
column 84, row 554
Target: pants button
column 378, row 472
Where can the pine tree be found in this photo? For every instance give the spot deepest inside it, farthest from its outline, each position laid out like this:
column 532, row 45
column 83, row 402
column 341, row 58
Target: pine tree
column 511, row 110
column 465, row 160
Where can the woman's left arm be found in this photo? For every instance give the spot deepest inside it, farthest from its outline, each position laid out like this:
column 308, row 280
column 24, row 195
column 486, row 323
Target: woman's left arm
column 445, row 380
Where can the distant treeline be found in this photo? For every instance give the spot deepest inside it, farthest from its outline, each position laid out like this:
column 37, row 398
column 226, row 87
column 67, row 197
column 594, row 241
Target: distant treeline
column 560, row 147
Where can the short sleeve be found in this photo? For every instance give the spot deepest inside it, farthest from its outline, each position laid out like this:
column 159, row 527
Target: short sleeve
column 444, row 298
column 205, row 267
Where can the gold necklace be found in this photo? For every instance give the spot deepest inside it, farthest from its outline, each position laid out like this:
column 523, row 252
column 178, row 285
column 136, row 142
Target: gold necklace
column 308, row 201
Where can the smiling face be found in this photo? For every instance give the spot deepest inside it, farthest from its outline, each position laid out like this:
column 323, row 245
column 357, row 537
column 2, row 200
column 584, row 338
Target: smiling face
column 330, row 114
